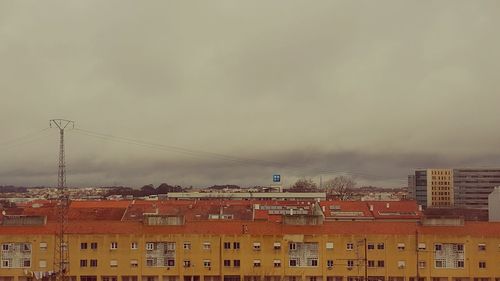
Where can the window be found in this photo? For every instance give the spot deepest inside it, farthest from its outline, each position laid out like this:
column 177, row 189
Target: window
column 371, row 263
column 83, row 246
column 93, row 263
column 134, row 263
column 292, row 246
column 482, row 264
column 277, row 263
column 43, row 246
column 169, row 262
column 370, row 246
column 133, row 246
column 277, row 245
column 93, row 245
column 236, row 263
column 227, row 262
column 236, row 245
column 329, row 245
column 26, row 248
column 440, row 263
column 460, row 264
column 207, row 263
column 401, row 246
column 6, row 263
column 150, row 262
column 380, row 246
column 312, row 262
column 256, row 246
column 227, row 245
column 481, row 247
column 460, row 247
column 294, row 262
column 421, row 264
column 329, row 263
column 113, row 263
column 206, row 246
column 83, row 263
column 401, row 264
column 349, row 246
column 150, row 246
column 380, row 263
column 6, row 247
column 114, row 245
column 187, row 263
column 26, row 263
column 42, row 264
column 422, row 246
column 187, row 246
column 256, row 263
column 438, row 247
column 350, row 263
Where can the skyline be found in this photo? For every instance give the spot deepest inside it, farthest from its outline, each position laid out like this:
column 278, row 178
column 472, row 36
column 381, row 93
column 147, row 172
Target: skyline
column 372, row 89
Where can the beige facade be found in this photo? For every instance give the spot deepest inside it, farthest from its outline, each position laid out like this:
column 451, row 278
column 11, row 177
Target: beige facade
column 440, row 188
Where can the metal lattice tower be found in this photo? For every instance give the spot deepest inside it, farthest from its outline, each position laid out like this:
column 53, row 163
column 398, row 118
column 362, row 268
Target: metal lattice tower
column 61, row 253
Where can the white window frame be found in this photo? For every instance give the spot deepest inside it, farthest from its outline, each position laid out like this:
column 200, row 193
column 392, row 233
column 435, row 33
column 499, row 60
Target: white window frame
column 113, row 245
column 134, row 245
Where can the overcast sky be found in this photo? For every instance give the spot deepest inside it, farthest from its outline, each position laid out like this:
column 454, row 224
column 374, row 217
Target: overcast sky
column 248, row 89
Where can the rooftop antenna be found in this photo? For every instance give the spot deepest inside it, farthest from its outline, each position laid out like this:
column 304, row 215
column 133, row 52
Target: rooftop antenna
column 61, row 255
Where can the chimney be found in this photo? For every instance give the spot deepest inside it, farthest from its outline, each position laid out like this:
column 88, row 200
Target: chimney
column 387, row 205
column 371, row 207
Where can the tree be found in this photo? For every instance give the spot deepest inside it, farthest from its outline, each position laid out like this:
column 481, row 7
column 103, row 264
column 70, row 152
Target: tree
column 304, row 185
column 340, row 187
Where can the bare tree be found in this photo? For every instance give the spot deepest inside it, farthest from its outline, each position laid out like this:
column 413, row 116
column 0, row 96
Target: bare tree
column 341, row 187
column 304, row 185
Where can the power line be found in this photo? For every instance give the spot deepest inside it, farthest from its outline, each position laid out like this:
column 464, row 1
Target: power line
column 26, row 139
column 212, row 155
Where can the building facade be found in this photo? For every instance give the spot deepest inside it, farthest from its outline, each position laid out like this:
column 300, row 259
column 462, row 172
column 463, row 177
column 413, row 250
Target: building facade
column 462, row 188
column 115, row 242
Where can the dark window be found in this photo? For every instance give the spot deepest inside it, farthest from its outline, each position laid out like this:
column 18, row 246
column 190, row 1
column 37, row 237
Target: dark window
column 93, row 263
column 227, row 245
column 93, row 245
column 236, row 263
column 236, row 245
column 83, row 246
column 227, row 262
column 83, row 263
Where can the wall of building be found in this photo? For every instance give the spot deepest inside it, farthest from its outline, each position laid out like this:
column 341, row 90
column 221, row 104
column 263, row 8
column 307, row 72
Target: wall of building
column 339, row 256
column 472, row 186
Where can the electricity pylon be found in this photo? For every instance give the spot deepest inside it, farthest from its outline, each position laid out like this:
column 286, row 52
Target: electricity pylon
column 61, row 254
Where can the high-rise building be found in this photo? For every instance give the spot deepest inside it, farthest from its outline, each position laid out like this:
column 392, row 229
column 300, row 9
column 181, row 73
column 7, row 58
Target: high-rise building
column 462, row 188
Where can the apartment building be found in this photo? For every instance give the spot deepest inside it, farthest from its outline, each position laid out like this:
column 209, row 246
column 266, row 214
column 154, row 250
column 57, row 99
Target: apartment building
column 196, row 245
column 462, row 188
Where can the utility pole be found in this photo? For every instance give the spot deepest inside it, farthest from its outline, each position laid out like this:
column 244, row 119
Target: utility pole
column 61, row 254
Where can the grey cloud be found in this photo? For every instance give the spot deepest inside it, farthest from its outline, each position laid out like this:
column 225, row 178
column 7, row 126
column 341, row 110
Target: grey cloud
column 406, row 83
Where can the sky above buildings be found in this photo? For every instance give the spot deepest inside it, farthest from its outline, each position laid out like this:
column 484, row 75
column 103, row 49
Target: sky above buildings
column 215, row 92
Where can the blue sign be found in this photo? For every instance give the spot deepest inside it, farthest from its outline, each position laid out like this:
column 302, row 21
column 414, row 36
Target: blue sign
column 276, row 178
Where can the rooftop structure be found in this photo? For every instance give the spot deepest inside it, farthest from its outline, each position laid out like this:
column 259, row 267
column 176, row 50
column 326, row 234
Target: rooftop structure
column 247, row 240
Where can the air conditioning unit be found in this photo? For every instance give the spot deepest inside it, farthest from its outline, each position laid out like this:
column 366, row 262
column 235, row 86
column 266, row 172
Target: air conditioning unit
column 349, row 268
column 330, row 268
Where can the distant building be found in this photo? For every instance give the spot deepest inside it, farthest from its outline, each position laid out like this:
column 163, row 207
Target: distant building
column 494, row 205
column 463, row 188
